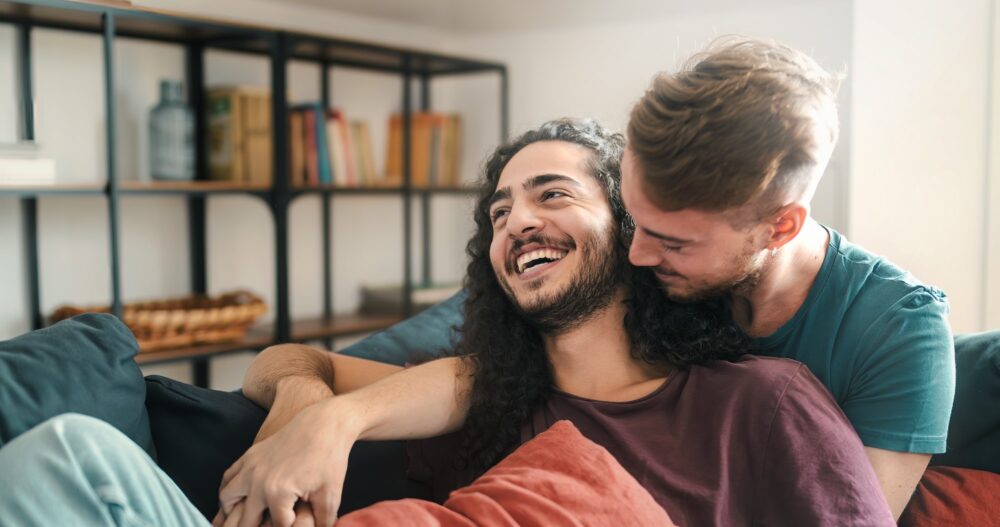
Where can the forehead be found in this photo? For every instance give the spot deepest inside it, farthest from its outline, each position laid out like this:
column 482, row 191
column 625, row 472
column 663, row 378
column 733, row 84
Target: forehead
column 548, row 158
column 685, row 223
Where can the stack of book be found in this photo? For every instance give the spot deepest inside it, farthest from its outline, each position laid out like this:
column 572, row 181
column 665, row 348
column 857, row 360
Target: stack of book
column 388, row 299
column 434, row 150
column 21, row 166
column 239, row 135
column 327, row 149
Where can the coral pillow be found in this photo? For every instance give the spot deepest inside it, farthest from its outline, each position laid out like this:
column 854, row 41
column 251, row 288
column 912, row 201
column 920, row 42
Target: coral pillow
column 949, row 496
column 559, row 478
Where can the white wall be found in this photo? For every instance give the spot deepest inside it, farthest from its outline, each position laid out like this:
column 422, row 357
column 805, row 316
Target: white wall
column 601, row 71
column 991, row 263
column 919, row 159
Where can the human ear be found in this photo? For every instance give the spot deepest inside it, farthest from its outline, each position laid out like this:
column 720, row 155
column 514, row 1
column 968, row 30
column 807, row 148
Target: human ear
column 786, row 224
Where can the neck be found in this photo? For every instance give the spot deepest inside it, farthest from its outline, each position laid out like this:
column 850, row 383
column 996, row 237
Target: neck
column 784, row 284
column 594, row 360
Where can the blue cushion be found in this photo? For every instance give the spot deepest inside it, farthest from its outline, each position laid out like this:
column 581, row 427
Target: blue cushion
column 426, row 336
column 199, row 433
column 83, row 365
column 974, row 430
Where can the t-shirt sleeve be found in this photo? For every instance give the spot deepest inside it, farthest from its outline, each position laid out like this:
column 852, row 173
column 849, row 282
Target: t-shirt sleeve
column 815, row 471
column 900, row 396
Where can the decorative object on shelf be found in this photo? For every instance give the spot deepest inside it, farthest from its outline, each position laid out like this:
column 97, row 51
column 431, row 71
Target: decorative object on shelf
column 239, row 134
column 171, row 135
column 388, row 299
column 434, row 152
column 20, row 165
column 184, row 321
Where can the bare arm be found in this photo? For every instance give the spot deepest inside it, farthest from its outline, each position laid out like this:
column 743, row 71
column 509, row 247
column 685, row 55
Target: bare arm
column 340, row 373
column 898, row 474
column 306, row 460
column 286, row 378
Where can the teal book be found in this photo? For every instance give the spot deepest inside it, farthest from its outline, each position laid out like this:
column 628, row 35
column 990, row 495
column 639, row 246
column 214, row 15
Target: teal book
column 322, row 145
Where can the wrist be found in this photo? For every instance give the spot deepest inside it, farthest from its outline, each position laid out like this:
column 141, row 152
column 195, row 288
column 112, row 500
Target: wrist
column 345, row 416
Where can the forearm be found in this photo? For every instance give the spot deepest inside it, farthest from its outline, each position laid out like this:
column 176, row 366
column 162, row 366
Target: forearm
column 422, row 401
column 308, row 365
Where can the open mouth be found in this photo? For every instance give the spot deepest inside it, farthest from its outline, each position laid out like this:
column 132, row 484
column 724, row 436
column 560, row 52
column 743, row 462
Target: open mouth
column 538, row 259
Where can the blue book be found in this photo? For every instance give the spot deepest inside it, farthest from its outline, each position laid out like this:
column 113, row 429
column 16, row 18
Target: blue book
column 322, row 145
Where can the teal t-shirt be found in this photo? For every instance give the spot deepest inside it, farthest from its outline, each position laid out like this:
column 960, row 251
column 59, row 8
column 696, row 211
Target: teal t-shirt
column 880, row 341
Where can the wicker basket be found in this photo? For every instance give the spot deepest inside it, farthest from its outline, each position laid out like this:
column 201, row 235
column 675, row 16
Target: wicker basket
column 185, row 321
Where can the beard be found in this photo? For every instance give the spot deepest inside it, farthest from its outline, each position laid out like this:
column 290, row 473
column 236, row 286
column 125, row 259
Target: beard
column 743, row 279
column 590, row 290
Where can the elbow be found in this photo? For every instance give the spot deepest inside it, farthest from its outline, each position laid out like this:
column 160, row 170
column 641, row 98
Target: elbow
column 281, row 361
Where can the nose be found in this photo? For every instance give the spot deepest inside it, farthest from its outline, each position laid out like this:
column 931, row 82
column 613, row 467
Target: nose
column 643, row 251
column 523, row 219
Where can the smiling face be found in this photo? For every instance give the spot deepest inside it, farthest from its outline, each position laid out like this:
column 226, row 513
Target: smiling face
column 553, row 247
column 695, row 254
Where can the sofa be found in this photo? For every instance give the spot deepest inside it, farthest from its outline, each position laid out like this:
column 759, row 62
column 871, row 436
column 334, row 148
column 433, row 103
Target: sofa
column 85, row 365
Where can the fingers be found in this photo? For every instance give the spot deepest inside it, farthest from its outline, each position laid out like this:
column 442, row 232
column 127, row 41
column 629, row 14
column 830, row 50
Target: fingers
column 324, row 506
column 304, row 515
column 232, row 471
column 235, row 515
column 280, row 505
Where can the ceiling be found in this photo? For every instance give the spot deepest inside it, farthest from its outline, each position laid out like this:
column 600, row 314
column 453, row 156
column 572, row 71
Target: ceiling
column 470, row 16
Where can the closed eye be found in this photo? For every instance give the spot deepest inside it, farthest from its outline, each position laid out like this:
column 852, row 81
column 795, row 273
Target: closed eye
column 552, row 194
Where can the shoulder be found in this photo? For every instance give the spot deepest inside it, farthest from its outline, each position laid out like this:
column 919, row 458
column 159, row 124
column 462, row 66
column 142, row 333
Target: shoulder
column 874, row 284
column 749, row 381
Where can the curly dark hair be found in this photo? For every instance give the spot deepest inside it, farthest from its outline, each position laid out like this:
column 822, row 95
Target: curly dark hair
column 511, row 372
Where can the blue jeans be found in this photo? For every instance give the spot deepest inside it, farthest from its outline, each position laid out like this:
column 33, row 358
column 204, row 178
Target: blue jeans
column 77, row 470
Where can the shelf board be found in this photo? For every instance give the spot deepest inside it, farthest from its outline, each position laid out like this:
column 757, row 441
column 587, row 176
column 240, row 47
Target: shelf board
column 192, row 187
column 262, row 336
column 172, row 26
column 257, row 338
column 29, row 190
column 340, row 326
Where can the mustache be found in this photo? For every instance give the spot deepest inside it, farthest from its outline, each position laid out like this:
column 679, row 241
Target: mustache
column 566, row 243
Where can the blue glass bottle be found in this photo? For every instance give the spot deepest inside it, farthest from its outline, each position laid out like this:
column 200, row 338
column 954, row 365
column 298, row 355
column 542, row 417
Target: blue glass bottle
column 171, row 135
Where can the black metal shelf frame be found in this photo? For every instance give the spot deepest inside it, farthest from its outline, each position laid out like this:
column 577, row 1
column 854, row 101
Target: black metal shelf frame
column 280, row 47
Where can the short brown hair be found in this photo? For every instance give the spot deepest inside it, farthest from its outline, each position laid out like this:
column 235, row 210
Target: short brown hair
column 735, row 127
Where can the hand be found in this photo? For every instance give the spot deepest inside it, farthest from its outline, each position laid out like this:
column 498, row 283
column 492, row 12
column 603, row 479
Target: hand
column 305, row 461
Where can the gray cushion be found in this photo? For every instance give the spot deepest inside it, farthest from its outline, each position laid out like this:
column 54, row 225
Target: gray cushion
column 83, row 365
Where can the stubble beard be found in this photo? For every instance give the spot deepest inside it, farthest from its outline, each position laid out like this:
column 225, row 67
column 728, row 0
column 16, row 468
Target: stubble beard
column 741, row 282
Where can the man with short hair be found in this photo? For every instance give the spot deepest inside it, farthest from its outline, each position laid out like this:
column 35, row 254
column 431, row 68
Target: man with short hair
column 724, row 158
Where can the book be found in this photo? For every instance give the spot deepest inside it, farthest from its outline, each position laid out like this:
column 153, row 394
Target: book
column 434, row 150
column 322, row 146
column 239, row 134
column 296, row 140
column 309, row 142
column 23, row 171
column 388, row 299
column 20, row 165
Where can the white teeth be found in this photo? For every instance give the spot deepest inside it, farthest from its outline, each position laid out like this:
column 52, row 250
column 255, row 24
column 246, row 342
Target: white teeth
column 551, row 254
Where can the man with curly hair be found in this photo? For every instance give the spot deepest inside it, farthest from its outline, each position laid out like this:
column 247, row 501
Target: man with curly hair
column 558, row 326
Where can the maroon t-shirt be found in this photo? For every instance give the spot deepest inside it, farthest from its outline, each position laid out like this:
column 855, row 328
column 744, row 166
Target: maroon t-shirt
column 759, row 441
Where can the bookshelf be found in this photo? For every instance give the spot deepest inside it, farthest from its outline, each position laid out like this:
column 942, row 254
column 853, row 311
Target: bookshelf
column 196, row 35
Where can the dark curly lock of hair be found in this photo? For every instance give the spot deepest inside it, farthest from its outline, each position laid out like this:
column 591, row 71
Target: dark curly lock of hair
column 511, row 372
